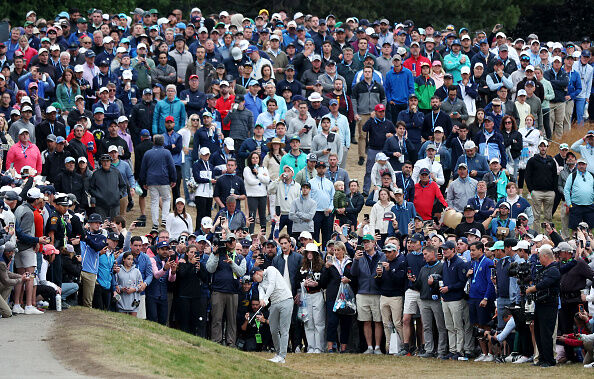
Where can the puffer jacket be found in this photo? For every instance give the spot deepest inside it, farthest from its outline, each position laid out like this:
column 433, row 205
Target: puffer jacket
column 166, row 108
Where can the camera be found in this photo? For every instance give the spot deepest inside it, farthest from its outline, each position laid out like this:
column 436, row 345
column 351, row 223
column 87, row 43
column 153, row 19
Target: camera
column 135, row 303
column 140, row 223
column 218, row 240
column 521, row 271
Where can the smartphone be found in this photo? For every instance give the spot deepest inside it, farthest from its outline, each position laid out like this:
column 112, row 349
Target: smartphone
column 543, row 225
column 366, row 216
column 359, row 248
column 581, row 308
column 11, row 227
column 409, row 272
column 380, row 266
column 377, row 231
column 331, row 138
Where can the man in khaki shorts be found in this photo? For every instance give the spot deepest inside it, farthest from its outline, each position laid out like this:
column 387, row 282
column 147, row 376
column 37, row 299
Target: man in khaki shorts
column 414, row 262
column 368, row 298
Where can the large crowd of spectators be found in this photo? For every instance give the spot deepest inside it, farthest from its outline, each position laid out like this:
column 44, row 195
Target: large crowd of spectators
column 446, row 247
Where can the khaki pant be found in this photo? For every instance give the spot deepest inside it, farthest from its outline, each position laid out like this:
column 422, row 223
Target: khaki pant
column 567, row 116
column 542, row 207
column 557, row 117
column 87, row 282
column 223, row 303
column 452, row 314
column 123, row 205
column 5, row 310
column 391, row 310
column 361, row 147
column 564, row 220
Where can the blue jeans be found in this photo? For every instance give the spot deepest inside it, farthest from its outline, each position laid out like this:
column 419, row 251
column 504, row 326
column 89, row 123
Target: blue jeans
column 502, row 302
column 68, row 289
column 186, row 174
column 156, row 310
column 580, row 106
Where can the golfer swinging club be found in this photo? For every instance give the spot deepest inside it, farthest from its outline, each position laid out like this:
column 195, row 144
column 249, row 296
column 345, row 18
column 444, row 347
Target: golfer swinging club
column 273, row 289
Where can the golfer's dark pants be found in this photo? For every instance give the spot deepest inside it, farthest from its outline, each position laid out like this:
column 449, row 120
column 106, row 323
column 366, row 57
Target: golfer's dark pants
column 323, row 224
column 393, row 111
column 257, row 204
column 156, row 310
column 545, row 316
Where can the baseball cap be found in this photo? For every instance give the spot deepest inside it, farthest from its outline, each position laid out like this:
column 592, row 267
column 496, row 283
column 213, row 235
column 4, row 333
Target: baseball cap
column 448, row 245
column 417, row 237
column 312, row 157
column 379, row 107
column 523, row 244
column 169, row 118
column 474, row 232
column 229, row 143
column 499, row 245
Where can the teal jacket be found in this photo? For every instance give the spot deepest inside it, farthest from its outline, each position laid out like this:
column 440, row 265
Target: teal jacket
column 166, row 108
column 452, row 65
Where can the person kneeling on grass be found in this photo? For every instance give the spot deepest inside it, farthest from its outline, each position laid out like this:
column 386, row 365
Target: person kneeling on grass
column 273, row 289
column 128, row 286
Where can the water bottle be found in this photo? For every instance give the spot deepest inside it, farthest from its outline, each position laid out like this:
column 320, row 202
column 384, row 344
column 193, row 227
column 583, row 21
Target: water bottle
column 58, row 303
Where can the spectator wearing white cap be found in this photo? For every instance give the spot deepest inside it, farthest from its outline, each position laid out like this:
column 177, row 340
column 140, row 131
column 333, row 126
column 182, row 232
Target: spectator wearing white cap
column 25, row 122
column 462, row 189
column 430, row 163
column 143, row 65
column 179, row 220
column 24, row 153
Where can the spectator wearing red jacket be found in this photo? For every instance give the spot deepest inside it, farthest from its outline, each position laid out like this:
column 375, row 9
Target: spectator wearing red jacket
column 414, row 62
column 224, row 104
column 426, row 191
column 84, row 141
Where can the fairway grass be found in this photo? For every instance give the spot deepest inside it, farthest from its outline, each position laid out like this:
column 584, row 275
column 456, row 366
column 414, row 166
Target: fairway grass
column 109, row 344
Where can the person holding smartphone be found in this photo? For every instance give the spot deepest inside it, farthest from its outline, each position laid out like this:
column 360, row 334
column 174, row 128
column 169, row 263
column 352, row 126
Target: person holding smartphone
column 326, row 142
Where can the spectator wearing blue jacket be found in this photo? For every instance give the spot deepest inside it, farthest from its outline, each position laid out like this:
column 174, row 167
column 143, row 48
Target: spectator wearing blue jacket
column 174, row 143
column 193, row 98
column 490, row 142
column 413, row 120
column 157, row 175
column 206, row 136
column 404, row 211
column 559, row 81
column 586, row 71
column 110, row 110
column 574, row 88
column 105, row 76
column 477, row 164
column 399, row 85
column 482, row 291
column 170, row 106
column 452, row 298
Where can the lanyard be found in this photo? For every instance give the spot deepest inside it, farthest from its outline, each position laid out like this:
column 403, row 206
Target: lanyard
column 230, row 219
column 434, row 119
column 475, row 269
column 287, row 190
column 405, row 182
column 24, row 148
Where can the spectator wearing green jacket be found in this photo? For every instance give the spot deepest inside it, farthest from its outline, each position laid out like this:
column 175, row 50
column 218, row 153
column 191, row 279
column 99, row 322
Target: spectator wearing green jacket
column 455, row 60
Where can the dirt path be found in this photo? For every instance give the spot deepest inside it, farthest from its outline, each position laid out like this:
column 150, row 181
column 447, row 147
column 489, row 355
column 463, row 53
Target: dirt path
column 26, row 351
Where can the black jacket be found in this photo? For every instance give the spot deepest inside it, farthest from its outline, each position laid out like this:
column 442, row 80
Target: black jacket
column 139, row 151
column 189, row 280
column 393, row 281
column 548, row 284
column 54, row 163
column 142, row 117
column 43, row 130
column 513, row 140
column 330, row 280
column 541, row 173
column 118, row 142
column 71, row 182
column 106, row 186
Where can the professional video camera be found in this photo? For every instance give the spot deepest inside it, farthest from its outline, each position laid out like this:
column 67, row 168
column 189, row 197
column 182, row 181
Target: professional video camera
column 219, row 241
column 522, row 272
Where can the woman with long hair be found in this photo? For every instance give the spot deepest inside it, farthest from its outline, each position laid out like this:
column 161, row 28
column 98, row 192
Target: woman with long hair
column 337, row 270
column 191, row 302
column 187, row 133
column 478, row 124
column 256, row 180
column 512, row 140
column 309, row 276
column 272, row 163
column 266, row 76
column 179, row 220
column 437, row 73
column 28, row 51
column 530, row 139
column 376, row 217
column 67, row 90
column 128, row 285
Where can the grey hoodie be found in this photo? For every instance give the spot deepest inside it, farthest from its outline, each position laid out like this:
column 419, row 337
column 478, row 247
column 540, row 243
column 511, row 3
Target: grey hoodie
column 126, row 279
column 302, row 213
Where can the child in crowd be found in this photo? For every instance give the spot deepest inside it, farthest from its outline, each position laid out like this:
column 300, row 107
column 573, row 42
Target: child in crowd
column 128, row 281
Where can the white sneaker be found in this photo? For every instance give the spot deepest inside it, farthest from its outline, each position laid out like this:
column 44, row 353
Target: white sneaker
column 279, row 359
column 31, row 310
column 297, row 350
column 368, row 351
column 43, row 304
column 192, row 204
column 274, row 359
column 589, row 365
column 481, row 358
column 523, row 359
column 17, row 309
column 317, row 351
column 511, row 358
column 377, row 351
column 489, row 358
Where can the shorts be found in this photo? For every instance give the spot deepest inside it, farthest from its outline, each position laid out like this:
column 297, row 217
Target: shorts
column 368, row 308
column 478, row 314
column 25, row 258
column 411, row 302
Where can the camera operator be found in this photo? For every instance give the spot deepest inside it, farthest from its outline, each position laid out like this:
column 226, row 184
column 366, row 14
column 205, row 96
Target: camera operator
column 427, row 283
column 226, row 267
column 574, row 273
column 255, row 328
column 547, row 301
column 455, row 309
column 496, row 339
column 273, row 289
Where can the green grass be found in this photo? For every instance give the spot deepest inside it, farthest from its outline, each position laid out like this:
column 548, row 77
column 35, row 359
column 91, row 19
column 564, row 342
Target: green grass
column 109, row 344
column 131, row 346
